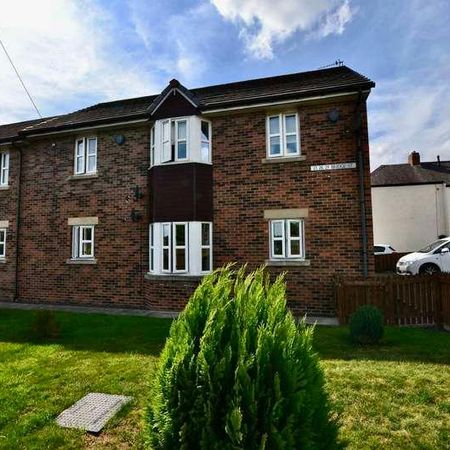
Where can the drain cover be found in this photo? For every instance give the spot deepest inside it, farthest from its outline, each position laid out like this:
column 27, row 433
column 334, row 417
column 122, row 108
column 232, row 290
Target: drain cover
column 92, row 412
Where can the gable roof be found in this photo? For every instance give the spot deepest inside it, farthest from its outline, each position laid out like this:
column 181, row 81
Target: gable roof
column 9, row 132
column 241, row 93
column 407, row 174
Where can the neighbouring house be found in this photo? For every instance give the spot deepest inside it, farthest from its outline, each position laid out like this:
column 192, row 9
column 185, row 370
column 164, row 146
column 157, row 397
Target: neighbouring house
column 411, row 203
column 129, row 203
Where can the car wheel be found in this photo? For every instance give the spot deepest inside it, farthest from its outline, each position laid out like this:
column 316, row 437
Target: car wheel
column 429, row 269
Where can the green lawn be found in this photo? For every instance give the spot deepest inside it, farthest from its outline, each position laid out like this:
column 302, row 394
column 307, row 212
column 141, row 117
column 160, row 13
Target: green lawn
column 396, row 395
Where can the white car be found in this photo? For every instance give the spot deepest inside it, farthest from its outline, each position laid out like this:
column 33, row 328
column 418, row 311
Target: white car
column 383, row 249
column 433, row 258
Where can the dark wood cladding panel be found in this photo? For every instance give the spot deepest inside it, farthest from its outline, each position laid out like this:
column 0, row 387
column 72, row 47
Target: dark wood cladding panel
column 175, row 105
column 181, row 192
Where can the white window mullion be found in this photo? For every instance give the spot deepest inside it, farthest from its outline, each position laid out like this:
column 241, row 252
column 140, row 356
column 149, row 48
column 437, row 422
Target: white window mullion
column 166, row 253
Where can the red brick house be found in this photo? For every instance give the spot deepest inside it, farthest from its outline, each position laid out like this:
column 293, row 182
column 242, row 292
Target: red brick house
column 129, row 203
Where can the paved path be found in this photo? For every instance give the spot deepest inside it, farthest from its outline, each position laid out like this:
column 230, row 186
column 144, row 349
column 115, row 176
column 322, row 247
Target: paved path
column 331, row 321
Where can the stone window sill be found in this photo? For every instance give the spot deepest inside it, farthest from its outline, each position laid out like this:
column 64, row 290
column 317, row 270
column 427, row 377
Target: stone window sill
column 283, row 159
column 88, row 176
column 2, row 261
column 89, row 261
column 185, row 278
column 4, row 188
column 288, row 262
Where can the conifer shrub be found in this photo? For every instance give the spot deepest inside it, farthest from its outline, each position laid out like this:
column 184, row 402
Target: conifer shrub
column 366, row 325
column 237, row 372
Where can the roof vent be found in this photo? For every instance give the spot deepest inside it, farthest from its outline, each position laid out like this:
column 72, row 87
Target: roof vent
column 414, row 159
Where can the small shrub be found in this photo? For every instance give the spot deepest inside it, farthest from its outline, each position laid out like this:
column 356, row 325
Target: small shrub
column 366, row 325
column 45, row 325
column 237, row 372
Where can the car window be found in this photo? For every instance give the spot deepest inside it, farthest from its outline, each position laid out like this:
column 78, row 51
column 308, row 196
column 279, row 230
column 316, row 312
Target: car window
column 433, row 246
column 392, row 248
column 378, row 249
column 444, row 246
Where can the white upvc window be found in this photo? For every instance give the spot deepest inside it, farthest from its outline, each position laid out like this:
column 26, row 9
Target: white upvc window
column 180, row 248
column 206, row 246
column 283, row 137
column 152, row 146
column 86, row 155
column 152, row 248
column 2, row 243
column 180, row 139
column 4, row 168
column 287, row 239
column 83, row 242
column 205, row 140
column 166, row 142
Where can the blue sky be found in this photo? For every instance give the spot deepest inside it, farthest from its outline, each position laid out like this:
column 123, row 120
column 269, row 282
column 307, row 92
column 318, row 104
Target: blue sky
column 74, row 53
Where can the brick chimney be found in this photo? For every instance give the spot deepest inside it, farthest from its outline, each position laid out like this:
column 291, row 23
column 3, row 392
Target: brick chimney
column 414, row 159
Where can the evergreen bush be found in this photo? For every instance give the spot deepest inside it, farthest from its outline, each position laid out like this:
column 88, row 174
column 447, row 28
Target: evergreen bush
column 237, row 372
column 366, row 325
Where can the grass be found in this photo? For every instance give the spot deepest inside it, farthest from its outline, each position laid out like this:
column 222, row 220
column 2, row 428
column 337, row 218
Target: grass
column 396, row 395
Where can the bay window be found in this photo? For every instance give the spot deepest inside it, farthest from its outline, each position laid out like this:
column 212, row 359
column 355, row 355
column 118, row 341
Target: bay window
column 283, row 138
column 180, row 248
column 4, row 168
column 184, row 139
column 86, row 156
column 287, row 239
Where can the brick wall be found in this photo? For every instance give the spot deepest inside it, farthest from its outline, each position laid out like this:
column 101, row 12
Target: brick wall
column 8, row 211
column 243, row 188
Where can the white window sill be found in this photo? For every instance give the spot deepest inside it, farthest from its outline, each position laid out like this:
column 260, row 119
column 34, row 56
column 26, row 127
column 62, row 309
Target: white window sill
column 173, row 277
column 82, row 261
column 2, row 260
column 283, row 159
column 4, row 188
column 83, row 176
column 288, row 262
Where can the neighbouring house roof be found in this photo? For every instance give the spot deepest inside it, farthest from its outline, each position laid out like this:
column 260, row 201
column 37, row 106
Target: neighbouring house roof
column 242, row 93
column 407, row 174
column 10, row 131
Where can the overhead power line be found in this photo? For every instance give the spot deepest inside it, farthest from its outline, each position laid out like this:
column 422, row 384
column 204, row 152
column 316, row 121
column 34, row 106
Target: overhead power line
column 20, row 78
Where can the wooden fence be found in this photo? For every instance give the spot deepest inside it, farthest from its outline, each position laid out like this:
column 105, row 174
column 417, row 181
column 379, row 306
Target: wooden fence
column 413, row 300
column 387, row 263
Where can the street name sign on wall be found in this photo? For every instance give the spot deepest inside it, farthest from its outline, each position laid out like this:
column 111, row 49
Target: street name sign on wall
column 351, row 165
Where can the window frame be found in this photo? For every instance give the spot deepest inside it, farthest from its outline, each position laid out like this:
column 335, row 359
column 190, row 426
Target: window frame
column 283, row 135
column 85, row 155
column 4, row 169
column 209, row 159
column 206, row 247
column 287, row 239
column 151, row 265
column 166, row 247
column 176, row 247
column 3, row 243
column 176, row 140
column 152, row 145
column 78, row 241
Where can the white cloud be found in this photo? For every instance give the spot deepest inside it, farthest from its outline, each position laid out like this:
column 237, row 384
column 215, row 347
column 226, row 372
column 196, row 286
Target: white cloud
column 65, row 50
column 406, row 116
column 264, row 23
